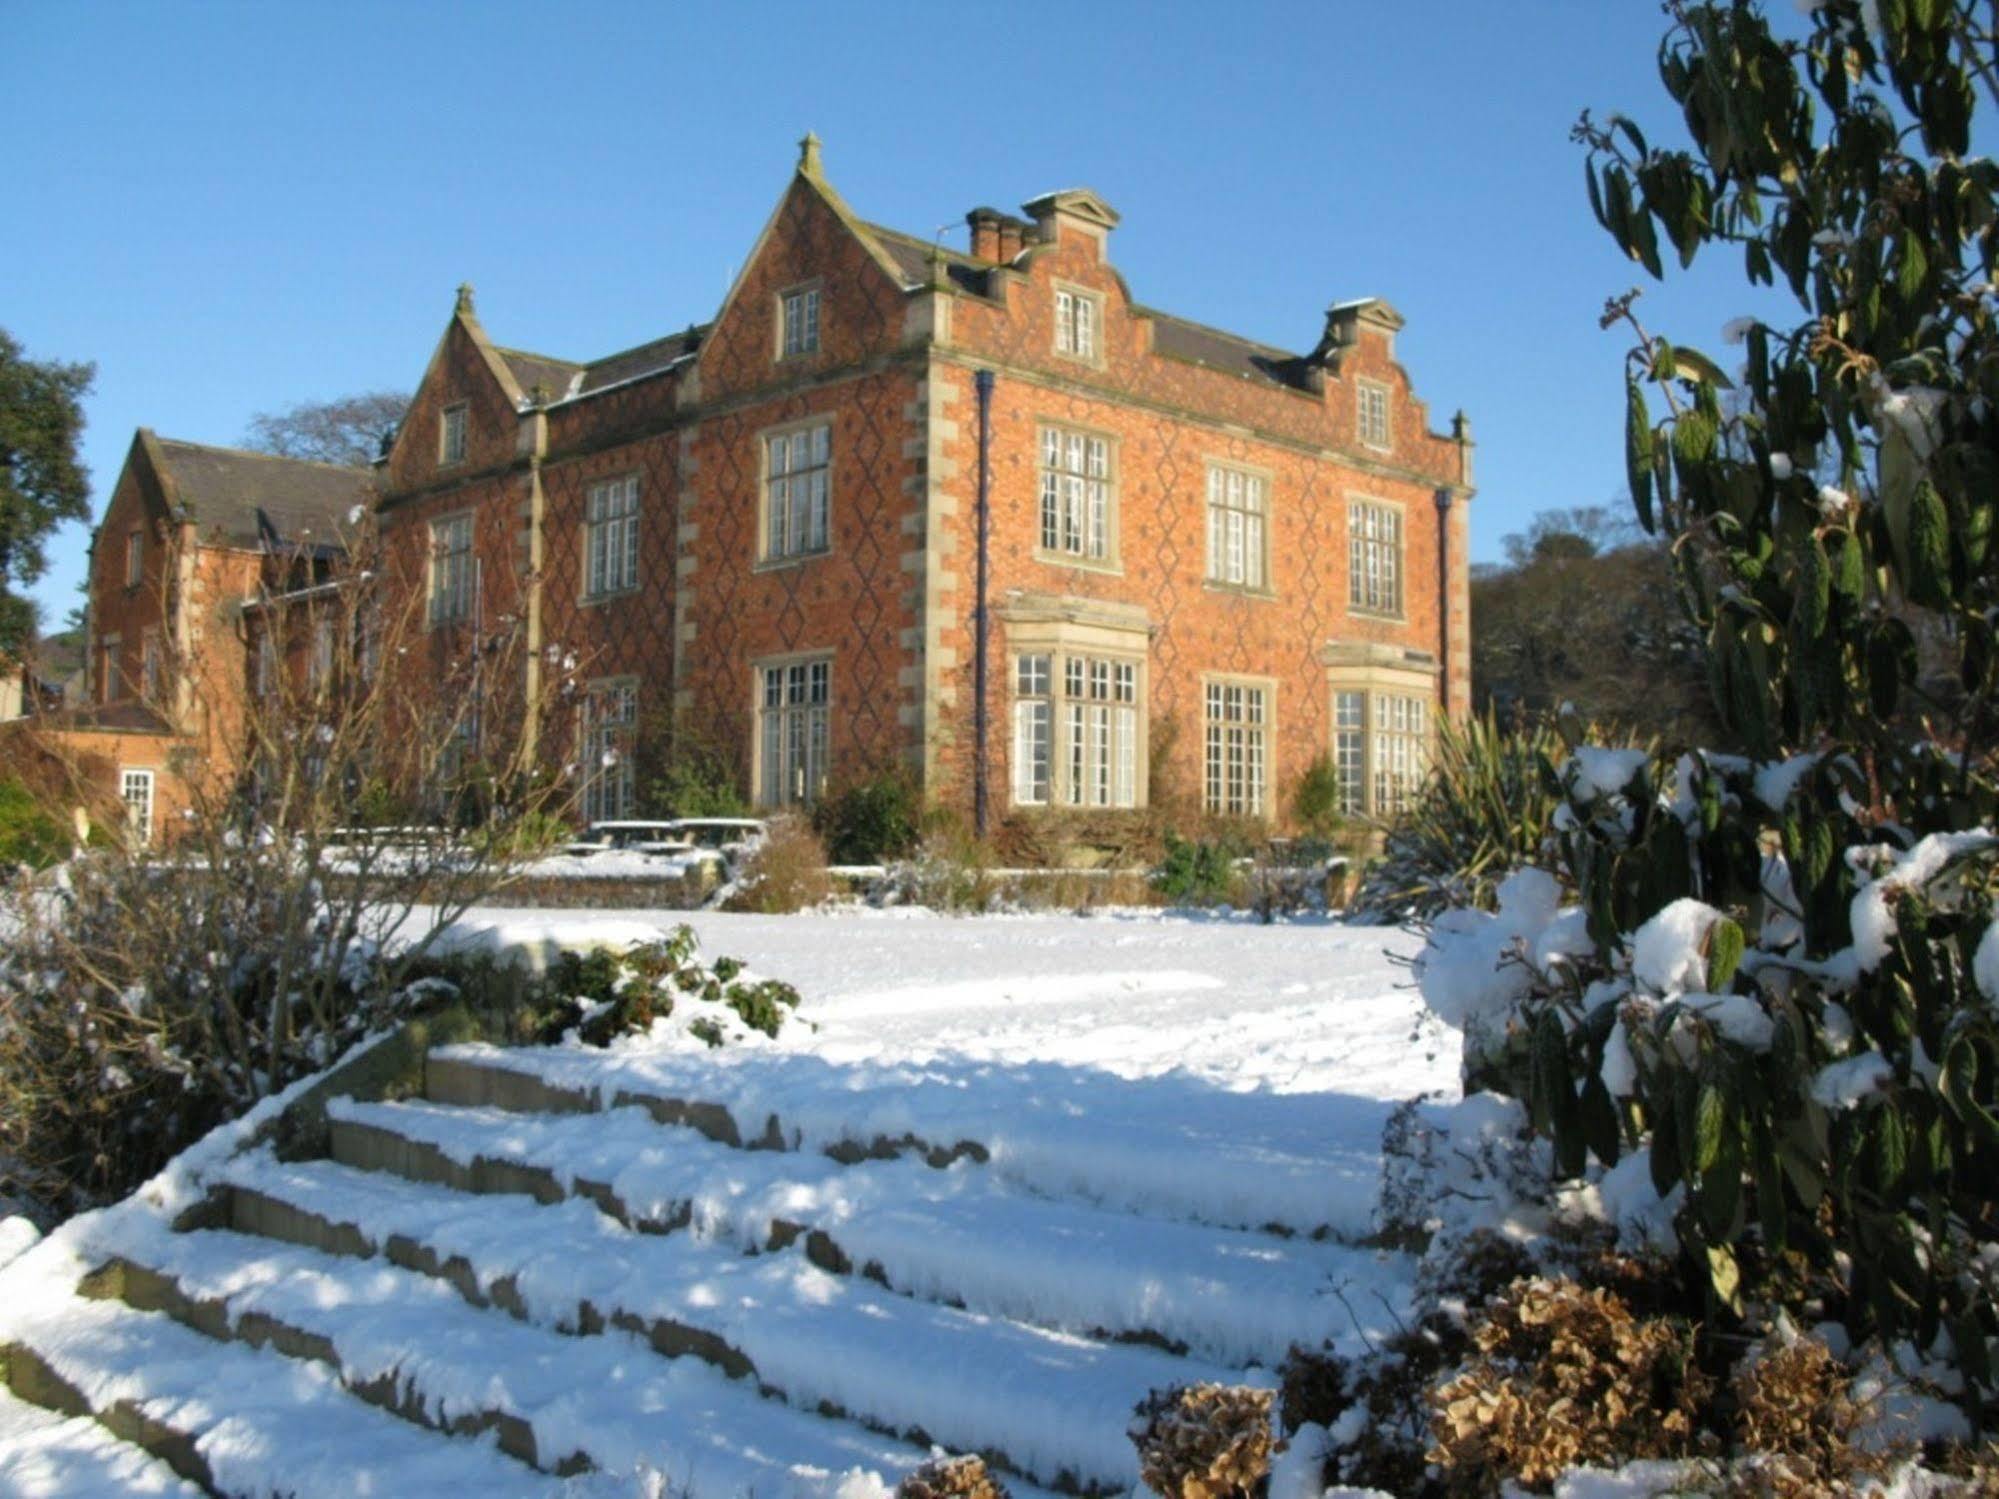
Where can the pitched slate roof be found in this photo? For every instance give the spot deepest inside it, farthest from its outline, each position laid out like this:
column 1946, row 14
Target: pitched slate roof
column 256, row 499
column 556, row 376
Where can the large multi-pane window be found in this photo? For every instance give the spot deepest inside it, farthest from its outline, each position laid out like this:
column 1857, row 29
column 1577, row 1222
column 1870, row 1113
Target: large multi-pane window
column 136, row 789
column 1076, row 494
column 1076, row 324
column 1075, row 730
column 450, row 569
column 1381, row 749
column 795, row 699
column 1237, row 748
column 800, row 322
column 1238, row 506
column 451, row 434
column 610, row 719
column 1371, row 407
column 1374, row 557
column 797, row 479
column 611, row 537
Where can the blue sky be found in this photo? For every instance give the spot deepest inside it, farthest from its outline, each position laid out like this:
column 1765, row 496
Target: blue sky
column 232, row 208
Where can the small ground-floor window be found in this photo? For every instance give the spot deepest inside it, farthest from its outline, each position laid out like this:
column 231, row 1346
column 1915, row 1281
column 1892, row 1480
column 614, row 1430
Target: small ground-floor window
column 794, row 706
column 610, row 719
column 136, row 787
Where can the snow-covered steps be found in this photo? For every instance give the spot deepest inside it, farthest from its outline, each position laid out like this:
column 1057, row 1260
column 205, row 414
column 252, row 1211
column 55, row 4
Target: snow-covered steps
column 1169, row 1146
column 564, row 1404
column 1052, row 1406
column 962, row 1235
column 236, row 1420
column 43, row 1452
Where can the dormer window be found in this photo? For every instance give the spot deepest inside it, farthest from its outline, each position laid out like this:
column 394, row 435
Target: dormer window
column 799, row 331
column 451, row 435
column 1077, row 316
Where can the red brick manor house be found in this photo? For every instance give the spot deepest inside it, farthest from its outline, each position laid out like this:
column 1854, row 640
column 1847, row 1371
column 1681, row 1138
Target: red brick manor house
column 779, row 531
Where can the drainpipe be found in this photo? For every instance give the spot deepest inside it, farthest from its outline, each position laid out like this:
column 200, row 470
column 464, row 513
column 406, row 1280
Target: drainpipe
column 1444, row 502
column 982, row 382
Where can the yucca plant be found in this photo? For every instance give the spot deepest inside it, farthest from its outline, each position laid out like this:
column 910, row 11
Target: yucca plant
column 1483, row 811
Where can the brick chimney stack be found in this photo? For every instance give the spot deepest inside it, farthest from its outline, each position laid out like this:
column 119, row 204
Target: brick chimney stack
column 985, row 224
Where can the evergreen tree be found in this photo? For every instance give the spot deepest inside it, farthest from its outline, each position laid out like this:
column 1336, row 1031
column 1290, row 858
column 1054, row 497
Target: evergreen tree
column 41, row 482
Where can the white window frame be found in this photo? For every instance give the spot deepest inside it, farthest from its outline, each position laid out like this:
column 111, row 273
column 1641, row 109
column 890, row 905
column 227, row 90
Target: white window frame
column 1381, row 747
column 1374, row 422
column 135, row 790
column 609, row 729
column 1238, row 743
column 794, row 713
column 798, row 321
column 135, row 557
column 453, row 433
column 1078, row 728
column 1079, row 324
column 451, row 568
column 1077, row 482
column 1376, row 540
column 1238, row 513
column 796, row 519
column 611, row 537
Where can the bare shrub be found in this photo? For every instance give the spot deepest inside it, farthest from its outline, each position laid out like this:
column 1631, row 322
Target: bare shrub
column 1797, row 1421
column 786, row 872
column 1563, row 1375
column 338, row 811
column 1204, row 1441
column 952, row 1478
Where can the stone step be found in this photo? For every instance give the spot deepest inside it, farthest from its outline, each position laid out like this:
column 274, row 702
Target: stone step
column 1050, row 1406
column 409, row 1343
column 236, row 1420
column 962, row 1236
column 45, row 1452
column 1173, row 1146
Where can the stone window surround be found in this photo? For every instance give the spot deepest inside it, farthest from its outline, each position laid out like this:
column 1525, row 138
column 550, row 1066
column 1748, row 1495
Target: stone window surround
column 1095, row 358
column 584, row 597
column 1267, row 589
column 587, row 728
column 463, row 411
column 758, row 667
column 111, row 670
column 765, row 562
column 1364, row 386
column 1374, row 670
column 1271, row 780
column 1061, row 625
column 1113, row 559
column 432, row 619
column 135, row 557
column 1400, row 613
column 817, row 286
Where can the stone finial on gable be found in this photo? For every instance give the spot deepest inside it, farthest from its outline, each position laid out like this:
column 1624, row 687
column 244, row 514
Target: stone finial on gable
column 808, row 154
column 464, row 306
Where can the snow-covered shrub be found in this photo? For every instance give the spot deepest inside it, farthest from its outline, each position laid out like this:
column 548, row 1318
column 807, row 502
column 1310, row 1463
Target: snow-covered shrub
column 965, row 1477
column 653, row 988
column 785, row 872
column 1204, row 1441
column 1763, row 1028
column 1196, row 873
column 1798, row 1417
